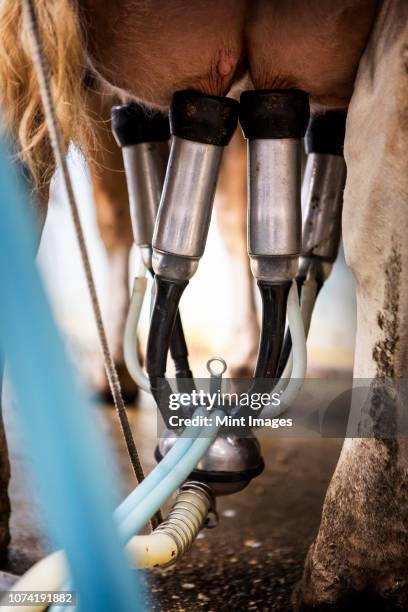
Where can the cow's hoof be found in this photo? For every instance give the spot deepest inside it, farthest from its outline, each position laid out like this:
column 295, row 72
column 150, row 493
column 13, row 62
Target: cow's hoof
column 130, row 391
column 359, row 559
column 354, row 601
column 325, row 592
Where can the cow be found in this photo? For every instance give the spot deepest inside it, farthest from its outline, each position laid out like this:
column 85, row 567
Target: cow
column 348, row 53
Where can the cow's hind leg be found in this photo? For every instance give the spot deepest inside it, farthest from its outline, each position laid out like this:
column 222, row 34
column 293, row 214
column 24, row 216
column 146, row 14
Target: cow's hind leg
column 361, row 551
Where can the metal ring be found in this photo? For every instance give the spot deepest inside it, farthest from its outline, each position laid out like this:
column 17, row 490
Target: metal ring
column 191, row 516
column 199, row 489
column 195, row 510
column 194, row 507
column 219, row 360
column 188, row 526
column 173, row 526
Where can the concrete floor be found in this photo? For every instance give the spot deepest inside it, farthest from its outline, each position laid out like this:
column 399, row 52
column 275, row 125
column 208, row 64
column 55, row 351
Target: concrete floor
column 250, row 561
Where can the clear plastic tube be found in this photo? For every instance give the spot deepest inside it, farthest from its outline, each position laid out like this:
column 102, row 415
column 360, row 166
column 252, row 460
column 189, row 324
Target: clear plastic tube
column 130, row 353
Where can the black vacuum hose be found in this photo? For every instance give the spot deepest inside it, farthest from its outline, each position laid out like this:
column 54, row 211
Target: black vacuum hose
column 164, row 316
column 274, row 300
column 178, row 349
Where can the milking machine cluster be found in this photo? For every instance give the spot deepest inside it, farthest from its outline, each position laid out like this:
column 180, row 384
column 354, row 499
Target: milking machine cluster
column 171, row 193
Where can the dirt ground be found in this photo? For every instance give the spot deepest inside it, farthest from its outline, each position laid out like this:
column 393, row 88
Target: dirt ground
column 251, row 560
